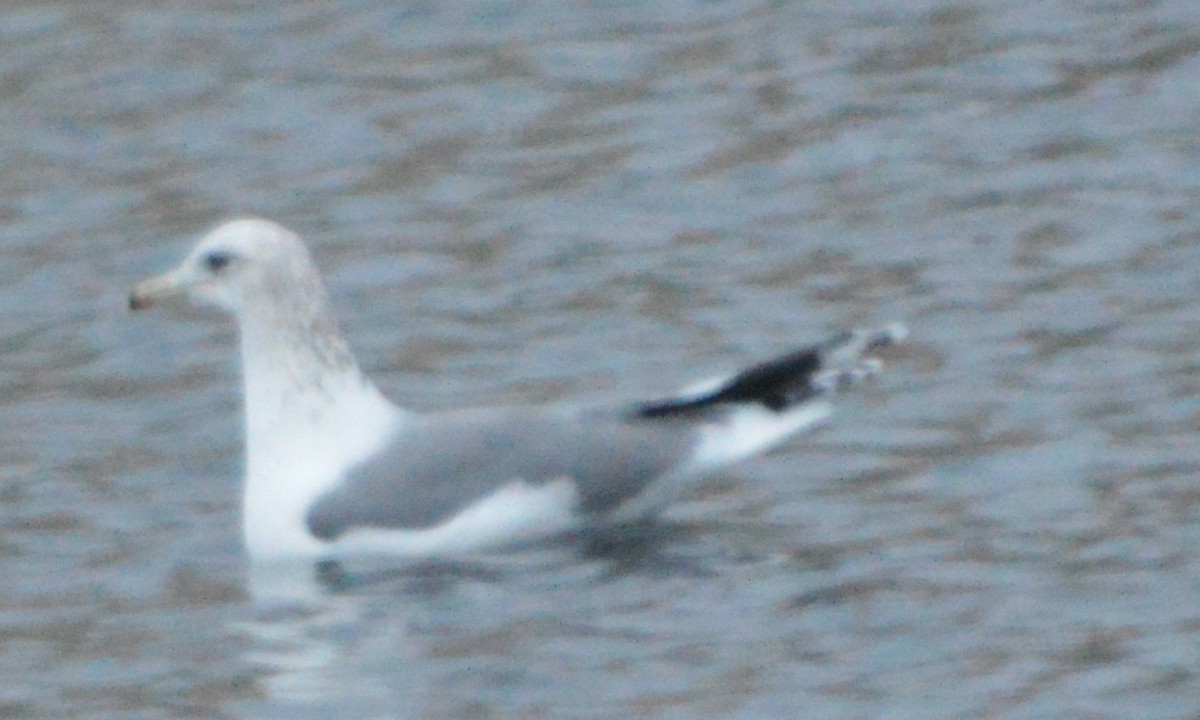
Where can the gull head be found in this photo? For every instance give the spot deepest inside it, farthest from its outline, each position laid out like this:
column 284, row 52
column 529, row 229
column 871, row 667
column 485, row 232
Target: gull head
column 233, row 266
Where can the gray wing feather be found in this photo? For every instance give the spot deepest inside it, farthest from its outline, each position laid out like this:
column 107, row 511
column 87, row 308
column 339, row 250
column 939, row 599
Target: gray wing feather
column 438, row 465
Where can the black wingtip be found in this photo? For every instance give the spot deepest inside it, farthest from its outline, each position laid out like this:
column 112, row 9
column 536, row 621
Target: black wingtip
column 793, row 378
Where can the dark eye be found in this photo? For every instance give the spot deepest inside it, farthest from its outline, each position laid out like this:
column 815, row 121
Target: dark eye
column 217, row 260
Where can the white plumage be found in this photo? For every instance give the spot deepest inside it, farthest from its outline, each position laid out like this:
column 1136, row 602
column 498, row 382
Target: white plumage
column 334, row 469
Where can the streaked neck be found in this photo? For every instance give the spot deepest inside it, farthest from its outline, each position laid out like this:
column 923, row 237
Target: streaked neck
column 310, row 414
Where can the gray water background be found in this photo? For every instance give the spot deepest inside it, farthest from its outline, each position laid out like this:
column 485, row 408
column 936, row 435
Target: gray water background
column 525, row 202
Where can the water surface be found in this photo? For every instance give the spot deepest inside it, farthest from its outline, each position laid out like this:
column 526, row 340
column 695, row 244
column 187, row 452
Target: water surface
column 525, row 202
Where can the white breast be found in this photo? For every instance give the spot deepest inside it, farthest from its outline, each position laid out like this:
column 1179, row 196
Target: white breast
column 298, row 445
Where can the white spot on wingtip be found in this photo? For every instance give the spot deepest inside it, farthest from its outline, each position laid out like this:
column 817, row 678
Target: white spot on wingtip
column 894, row 332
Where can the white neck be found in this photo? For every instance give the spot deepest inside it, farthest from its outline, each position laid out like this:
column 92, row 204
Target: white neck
column 309, row 413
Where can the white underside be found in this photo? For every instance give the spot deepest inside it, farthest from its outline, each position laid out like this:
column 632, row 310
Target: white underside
column 751, row 430
column 298, row 456
column 748, row 431
column 516, row 513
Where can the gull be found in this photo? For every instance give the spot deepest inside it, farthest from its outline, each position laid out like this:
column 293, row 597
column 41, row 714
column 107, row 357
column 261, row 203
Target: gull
column 333, row 469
